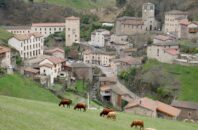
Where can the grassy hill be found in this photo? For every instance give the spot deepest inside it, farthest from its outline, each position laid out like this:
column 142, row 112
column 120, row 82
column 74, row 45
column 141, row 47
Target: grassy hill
column 187, row 77
column 19, row 86
column 4, row 36
column 80, row 4
column 21, row 114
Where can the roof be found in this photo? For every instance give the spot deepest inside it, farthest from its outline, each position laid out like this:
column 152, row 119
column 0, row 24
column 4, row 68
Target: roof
column 4, row 49
column 32, row 70
column 96, row 51
column 165, row 108
column 72, row 18
column 129, row 60
column 166, row 44
column 185, row 104
column 116, row 89
column 56, row 60
column 171, row 51
column 107, row 79
column 163, row 37
column 176, row 12
column 46, row 65
column 154, row 106
column 48, row 24
column 105, row 87
column 143, row 102
column 131, row 20
column 17, row 27
column 22, row 37
column 130, row 49
column 184, row 22
column 55, row 50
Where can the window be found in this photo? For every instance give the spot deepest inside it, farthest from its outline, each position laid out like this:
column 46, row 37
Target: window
column 157, row 52
column 68, row 29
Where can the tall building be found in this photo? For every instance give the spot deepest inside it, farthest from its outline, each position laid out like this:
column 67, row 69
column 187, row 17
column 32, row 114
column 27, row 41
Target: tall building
column 172, row 19
column 148, row 16
column 29, row 45
column 72, row 30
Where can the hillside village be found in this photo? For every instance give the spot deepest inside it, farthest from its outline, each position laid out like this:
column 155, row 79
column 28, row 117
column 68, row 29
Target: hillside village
column 111, row 68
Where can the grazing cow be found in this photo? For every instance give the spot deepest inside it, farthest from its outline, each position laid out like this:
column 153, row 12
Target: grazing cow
column 139, row 123
column 105, row 111
column 80, row 106
column 111, row 115
column 64, row 102
column 149, row 129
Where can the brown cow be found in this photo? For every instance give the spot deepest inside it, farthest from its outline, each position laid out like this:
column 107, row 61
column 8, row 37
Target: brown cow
column 105, row 112
column 139, row 123
column 80, row 106
column 111, row 115
column 64, row 102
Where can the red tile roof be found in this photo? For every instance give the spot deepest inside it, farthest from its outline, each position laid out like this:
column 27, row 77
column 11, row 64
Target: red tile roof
column 154, row 106
column 163, row 37
column 4, row 49
column 172, row 51
column 56, row 60
column 48, row 24
column 55, row 50
column 184, row 22
column 46, row 65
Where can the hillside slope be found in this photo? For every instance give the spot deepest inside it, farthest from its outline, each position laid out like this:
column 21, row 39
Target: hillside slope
column 19, row 86
column 80, row 4
column 4, row 36
column 20, row 114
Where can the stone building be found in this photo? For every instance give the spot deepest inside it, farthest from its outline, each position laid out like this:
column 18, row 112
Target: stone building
column 5, row 57
column 148, row 16
column 163, row 52
column 133, row 25
column 172, row 19
column 189, row 110
column 80, row 71
column 28, row 45
column 72, row 30
column 98, row 58
column 129, row 26
column 99, row 37
column 148, row 107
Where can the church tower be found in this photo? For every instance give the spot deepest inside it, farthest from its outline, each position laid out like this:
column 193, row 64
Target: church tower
column 148, row 15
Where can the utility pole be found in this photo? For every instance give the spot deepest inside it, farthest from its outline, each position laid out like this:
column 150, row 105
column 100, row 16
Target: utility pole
column 88, row 100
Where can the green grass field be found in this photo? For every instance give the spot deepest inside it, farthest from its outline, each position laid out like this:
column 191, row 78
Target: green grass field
column 4, row 36
column 186, row 75
column 22, row 114
column 80, row 4
column 19, row 86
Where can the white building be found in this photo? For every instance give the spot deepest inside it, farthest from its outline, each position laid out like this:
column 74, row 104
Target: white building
column 172, row 19
column 163, row 52
column 29, row 45
column 51, row 67
column 99, row 37
column 98, row 58
column 72, row 30
column 5, row 58
column 18, row 29
column 47, row 29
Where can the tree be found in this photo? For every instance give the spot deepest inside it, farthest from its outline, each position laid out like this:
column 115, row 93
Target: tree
column 120, row 3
